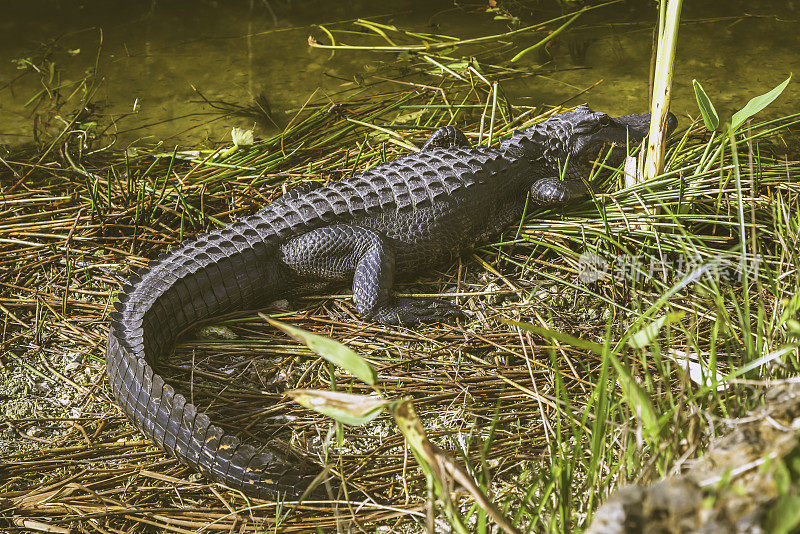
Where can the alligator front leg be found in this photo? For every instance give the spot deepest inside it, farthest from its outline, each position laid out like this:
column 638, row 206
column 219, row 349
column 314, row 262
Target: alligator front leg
column 446, row 137
column 337, row 253
column 554, row 190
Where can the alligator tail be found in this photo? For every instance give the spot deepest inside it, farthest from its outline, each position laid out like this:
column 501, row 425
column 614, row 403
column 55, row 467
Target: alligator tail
column 227, row 269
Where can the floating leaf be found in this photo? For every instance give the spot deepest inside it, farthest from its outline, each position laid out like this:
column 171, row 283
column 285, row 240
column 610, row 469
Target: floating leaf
column 408, row 117
column 241, row 137
column 214, row 331
column 707, row 110
column 353, row 410
column 333, row 351
column 458, row 65
column 756, row 104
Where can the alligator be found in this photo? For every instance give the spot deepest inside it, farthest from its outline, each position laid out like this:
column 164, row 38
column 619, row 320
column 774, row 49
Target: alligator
column 397, row 218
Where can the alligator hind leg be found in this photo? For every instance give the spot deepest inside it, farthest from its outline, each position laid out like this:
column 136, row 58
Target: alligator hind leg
column 337, row 253
column 554, row 190
column 446, row 137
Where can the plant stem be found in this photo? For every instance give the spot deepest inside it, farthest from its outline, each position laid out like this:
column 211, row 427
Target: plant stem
column 662, row 89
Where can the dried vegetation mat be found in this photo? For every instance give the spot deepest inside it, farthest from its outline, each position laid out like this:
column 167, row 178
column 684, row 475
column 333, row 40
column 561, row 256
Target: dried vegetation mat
column 575, row 373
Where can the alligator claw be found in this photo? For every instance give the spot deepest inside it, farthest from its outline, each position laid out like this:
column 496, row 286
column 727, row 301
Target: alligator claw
column 411, row 311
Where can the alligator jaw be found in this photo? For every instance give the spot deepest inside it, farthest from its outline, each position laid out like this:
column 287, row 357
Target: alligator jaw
column 620, row 133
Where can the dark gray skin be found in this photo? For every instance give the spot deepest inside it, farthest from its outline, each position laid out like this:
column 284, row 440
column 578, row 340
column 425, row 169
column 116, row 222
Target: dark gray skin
column 398, row 218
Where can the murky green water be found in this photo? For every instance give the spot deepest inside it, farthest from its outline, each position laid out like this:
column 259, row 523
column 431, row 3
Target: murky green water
column 157, row 58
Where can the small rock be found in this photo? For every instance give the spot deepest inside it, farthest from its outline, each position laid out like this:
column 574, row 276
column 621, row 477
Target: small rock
column 43, row 387
column 496, row 298
column 74, row 360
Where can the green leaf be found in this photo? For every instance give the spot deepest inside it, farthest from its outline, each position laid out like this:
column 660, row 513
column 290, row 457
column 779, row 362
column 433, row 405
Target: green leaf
column 408, row 117
column 636, row 397
column 333, row 351
column 784, row 517
column 756, row 104
column 458, row 65
column 560, row 336
column 646, row 335
column 707, row 110
column 353, row 410
column 411, row 427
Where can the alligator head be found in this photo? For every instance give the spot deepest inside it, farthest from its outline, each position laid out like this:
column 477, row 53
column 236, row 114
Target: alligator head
column 580, row 136
column 594, row 131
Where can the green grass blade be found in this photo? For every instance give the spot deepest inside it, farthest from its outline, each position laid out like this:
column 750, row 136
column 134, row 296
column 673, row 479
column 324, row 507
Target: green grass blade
column 757, row 103
column 333, row 351
column 707, row 109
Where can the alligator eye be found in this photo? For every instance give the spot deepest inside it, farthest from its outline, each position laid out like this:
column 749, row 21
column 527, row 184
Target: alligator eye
column 605, row 120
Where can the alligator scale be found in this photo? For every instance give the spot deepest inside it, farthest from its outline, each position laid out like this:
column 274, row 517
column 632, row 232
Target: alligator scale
column 397, row 218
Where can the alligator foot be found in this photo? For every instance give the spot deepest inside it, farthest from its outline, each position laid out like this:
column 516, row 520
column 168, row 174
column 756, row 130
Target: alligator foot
column 340, row 251
column 556, row 191
column 410, row 311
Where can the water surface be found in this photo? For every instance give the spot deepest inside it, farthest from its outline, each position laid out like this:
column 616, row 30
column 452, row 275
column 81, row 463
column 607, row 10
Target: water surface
column 159, row 60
